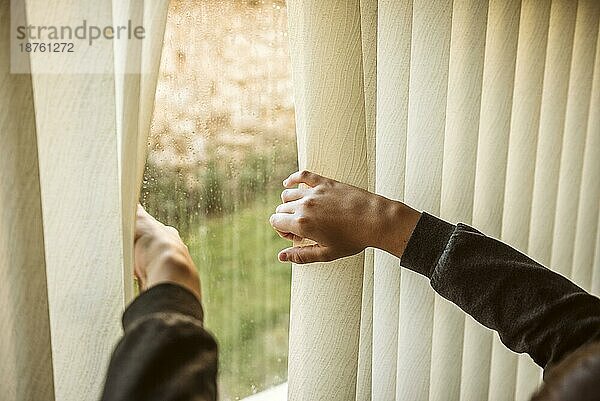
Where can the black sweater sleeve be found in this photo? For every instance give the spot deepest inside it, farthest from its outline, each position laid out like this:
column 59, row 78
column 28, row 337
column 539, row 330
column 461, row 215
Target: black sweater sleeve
column 165, row 353
column 533, row 309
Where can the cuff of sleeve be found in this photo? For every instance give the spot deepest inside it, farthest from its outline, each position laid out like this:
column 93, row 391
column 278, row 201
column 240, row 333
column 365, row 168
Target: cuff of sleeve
column 426, row 244
column 163, row 298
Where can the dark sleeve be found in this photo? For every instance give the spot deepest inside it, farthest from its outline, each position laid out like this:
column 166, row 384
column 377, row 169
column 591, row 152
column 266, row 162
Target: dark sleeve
column 533, row 309
column 165, row 353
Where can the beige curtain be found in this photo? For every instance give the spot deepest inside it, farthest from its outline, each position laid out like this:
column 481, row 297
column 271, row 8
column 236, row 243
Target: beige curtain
column 73, row 155
column 484, row 112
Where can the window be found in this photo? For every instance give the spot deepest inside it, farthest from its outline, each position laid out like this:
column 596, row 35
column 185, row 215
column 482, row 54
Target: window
column 222, row 140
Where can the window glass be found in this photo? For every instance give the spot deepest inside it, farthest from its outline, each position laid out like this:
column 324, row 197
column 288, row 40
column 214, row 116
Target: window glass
column 222, row 141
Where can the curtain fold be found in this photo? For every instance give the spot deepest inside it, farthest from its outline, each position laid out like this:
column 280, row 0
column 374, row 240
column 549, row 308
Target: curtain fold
column 81, row 205
column 88, row 129
column 485, row 113
column 127, row 57
column 26, row 368
column 136, row 75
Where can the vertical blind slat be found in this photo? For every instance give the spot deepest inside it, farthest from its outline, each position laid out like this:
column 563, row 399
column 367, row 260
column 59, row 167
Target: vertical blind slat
column 596, row 274
column 552, row 120
column 494, row 126
column 576, row 121
column 529, row 74
column 368, row 28
column 368, row 24
column 430, row 48
column 550, row 138
column 393, row 66
column 552, row 114
column 458, row 177
column 589, row 198
column 330, row 121
column 475, row 365
column 386, row 296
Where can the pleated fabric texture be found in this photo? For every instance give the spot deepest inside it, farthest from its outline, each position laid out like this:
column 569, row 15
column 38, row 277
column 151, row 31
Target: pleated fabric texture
column 483, row 112
column 70, row 172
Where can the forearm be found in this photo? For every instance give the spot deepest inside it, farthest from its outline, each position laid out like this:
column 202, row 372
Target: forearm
column 165, row 353
column 533, row 309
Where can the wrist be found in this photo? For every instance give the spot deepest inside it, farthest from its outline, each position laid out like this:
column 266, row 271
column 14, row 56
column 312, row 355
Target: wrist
column 174, row 267
column 394, row 224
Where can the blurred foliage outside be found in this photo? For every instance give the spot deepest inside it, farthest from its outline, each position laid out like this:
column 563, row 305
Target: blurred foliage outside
column 222, row 140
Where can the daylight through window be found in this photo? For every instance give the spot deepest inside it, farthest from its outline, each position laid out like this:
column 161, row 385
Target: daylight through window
column 222, row 140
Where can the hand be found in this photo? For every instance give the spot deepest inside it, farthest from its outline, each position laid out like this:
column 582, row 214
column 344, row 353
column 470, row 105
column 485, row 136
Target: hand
column 161, row 256
column 341, row 219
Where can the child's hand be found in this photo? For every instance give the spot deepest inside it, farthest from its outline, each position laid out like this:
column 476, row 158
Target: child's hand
column 342, row 220
column 161, row 256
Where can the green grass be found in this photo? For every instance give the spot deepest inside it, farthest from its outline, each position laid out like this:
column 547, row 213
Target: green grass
column 222, row 211
column 246, row 294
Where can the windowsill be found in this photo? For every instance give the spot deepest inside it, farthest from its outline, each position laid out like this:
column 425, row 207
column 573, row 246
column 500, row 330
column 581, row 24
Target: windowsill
column 277, row 393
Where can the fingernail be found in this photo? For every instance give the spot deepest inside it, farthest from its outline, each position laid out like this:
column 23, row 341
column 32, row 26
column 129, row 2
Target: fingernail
column 285, row 182
column 283, row 257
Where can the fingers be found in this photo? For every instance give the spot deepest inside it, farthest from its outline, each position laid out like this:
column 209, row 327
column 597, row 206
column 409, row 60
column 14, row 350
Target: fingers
column 289, row 195
column 142, row 219
column 289, row 236
column 285, row 223
column 284, row 235
column 305, row 254
column 289, row 207
column 146, row 224
column 303, row 177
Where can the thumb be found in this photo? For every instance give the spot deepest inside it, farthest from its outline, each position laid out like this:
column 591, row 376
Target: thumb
column 305, row 254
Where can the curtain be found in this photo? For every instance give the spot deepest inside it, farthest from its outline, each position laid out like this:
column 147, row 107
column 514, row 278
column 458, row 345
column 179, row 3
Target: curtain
column 74, row 143
column 483, row 112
